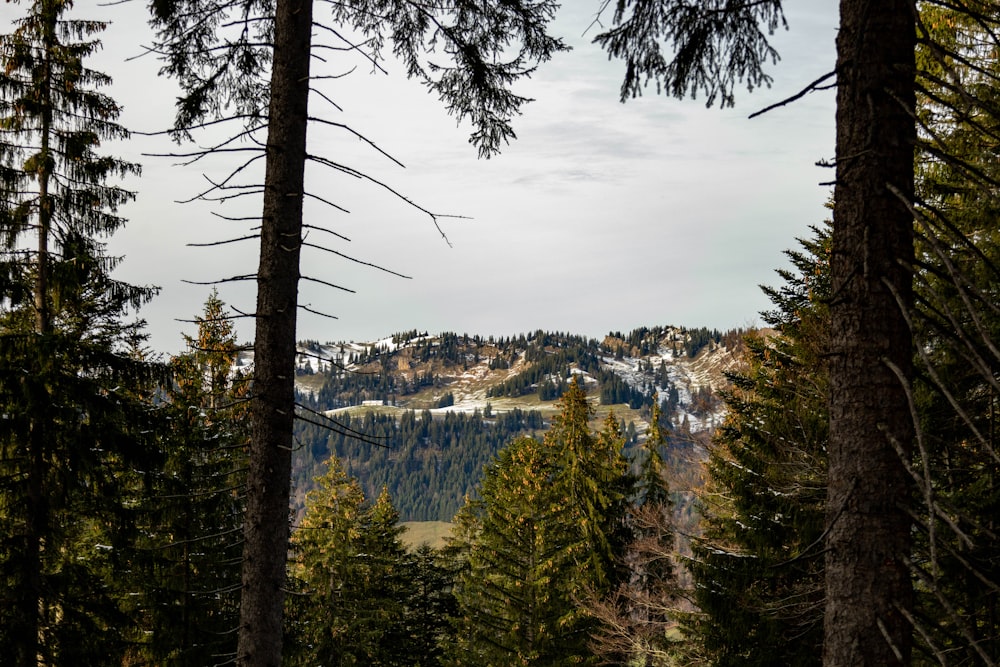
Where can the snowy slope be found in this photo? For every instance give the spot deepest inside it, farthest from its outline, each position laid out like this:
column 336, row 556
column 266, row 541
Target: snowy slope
column 468, row 377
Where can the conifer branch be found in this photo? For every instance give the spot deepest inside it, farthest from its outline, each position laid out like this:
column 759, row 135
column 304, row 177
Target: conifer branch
column 355, row 260
column 232, row 279
column 217, row 243
column 328, row 284
column 812, row 87
column 307, row 309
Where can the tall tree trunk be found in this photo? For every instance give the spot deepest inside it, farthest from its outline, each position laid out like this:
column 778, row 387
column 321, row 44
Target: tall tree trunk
column 273, row 406
column 868, row 539
column 33, row 602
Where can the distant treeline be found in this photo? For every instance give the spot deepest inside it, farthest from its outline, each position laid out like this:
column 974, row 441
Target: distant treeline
column 549, row 356
column 427, row 464
column 430, row 463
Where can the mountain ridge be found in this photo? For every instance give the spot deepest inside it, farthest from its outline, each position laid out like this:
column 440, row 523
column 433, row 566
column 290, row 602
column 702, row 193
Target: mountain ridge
column 406, row 385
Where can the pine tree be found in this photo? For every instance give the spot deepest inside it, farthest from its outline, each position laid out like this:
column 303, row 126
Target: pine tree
column 197, row 501
column 78, row 423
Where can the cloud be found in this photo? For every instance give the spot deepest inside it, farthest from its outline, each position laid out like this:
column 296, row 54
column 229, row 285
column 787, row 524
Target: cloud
column 600, row 216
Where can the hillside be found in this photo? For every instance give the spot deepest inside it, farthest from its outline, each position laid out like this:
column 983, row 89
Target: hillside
column 436, row 408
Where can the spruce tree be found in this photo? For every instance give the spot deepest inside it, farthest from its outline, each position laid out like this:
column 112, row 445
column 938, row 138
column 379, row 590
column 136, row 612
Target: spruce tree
column 350, row 567
column 758, row 567
column 590, row 478
column 78, row 423
column 546, row 532
column 197, row 501
column 489, row 46
column 715, row 44
column 956, row 323
column 322, row 548
column 429, row 607
column 516, row 568
column 636, row 616
column 386, row 585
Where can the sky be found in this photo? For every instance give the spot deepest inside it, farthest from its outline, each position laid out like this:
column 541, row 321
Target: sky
column 599, row 217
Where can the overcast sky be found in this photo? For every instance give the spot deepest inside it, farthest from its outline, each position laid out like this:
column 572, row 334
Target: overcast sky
column 600, row 216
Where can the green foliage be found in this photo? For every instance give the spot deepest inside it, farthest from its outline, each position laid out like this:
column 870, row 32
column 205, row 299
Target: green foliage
column 513, row 587
column 651, row 484
column 636, row 618
column 54, row 183
column 446, row 453
column 428, row 463
column 75, row 390
column 430, row 605
column 191, row 596
column 651, row 520
column 757, row 568
column 716, row 44
column 376, row 379
column 592, row 474
column 695, row 340
column 544, row 530
column 363, row 600
column 218, row 57
column 551, row 357
column 956, row 324
column 77, row 429
column 324, row 546
column 615, row 390
column 642, row 341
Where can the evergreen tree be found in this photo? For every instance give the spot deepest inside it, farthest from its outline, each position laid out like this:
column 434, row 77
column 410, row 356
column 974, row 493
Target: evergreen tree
column 75, row 398
column 651, row 485
column 512, row 590
column 714, row 45
column 546, row 530
column 383, row 573
column 322, row 548
column 868, row 589
column 759, row 581
column 758, row 566
column 636, row 616
column 429, row 607
column 198, row 501
column 591, row 478
column 351, row 565
column 219, row 73
column 956, row 323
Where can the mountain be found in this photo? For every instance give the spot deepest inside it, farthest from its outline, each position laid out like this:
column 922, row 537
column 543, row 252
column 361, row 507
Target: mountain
column 436, row 408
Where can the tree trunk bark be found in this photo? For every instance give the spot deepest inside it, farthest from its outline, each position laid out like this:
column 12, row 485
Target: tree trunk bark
column 33, row 602
column 273, row 407
column 868, row 539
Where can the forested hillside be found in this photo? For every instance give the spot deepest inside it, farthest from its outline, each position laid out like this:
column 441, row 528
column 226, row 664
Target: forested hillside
column 843, row 463
column 436, row 409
